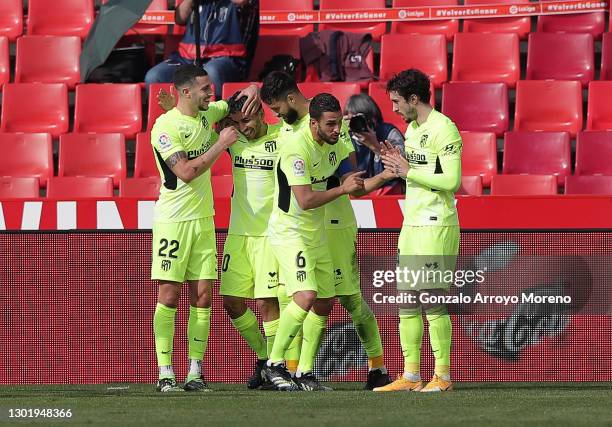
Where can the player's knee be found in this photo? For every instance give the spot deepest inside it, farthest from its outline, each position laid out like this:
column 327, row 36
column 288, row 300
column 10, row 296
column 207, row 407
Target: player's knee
column 436, row 310
column 268, row 307
column 352, row 303
column 324, row 306
column 234, row 307
column 169, row 295
column 305, row 299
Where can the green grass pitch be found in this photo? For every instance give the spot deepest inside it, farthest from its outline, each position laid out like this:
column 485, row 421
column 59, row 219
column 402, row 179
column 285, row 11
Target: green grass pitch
column 471, row 404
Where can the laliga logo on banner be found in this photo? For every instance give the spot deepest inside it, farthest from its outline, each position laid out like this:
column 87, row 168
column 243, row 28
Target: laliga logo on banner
column 291, row 17
column 402, row 14
column 521, row 9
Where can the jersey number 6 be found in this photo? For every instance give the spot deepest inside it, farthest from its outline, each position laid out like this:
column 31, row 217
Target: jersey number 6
column 300, row 261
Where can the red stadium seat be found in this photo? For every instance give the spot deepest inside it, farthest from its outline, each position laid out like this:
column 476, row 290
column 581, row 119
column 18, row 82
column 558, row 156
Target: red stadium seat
column 430, row 57
column 223, row 165
column 477, row 107
column 26, row 154
column 583, row 23
column 560, row 57
column 520, row 26
column 523, row 185
column 5, row 62
column 341, row 90
column 230, row 88
column 79, row 187
column 593, row 153
column 222, row 186
column 479, row 155
column 470, row 186
column 538, row 153
column 144, row 160
column 60, row 17
column 140, row 188
column 599, row 112
column 154, row 110
column 269, row 46
column 11, row 18
column 488, row 58
column 373, row 28
column 300, row 30
column 49, row 114
column 447, row 27
column 108, row 108
column 588, row 184
column 18, row 187
column 48, row 59
column 606, row 57
column 92, row 154
column 548, row 105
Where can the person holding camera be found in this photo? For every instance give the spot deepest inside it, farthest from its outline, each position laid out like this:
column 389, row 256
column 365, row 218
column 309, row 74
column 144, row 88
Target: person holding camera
column 368, row 133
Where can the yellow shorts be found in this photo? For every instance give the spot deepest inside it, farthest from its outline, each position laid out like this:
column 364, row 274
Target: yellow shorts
column 249, row 268
column 429, row 253
column 342, row 245
column 185, row 250
column 305, row 269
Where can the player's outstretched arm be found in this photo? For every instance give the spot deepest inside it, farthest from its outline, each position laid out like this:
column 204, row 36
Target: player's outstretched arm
column 188, row 170
column 348, row 165
column 309, row 199
column 448, row 180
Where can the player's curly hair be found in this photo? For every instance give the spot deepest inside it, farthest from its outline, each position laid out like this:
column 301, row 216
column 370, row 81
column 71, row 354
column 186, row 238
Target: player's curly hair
column 323, row 103
column 411, row 82
column 277, row 85
column 185, row 75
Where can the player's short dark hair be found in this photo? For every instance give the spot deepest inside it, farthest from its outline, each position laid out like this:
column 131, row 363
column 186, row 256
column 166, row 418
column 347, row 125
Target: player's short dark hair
column 323, row 103
column 235, row 104
column 411, row 82
column 185, row 75
column 277, row 85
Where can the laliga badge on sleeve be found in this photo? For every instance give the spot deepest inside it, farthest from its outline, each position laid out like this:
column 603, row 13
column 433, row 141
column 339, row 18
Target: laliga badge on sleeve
column 165, row 143
column 299, row 168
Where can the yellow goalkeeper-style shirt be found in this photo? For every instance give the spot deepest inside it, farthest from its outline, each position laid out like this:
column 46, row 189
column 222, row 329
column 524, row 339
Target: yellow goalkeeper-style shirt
column 433, row 150
column 338, row 213
column 302, row 161
column 253, row 175
column 174, row 132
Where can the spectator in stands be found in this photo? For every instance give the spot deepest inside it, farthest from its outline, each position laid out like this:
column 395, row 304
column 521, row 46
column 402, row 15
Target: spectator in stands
column 229, row 31
column 368, row 132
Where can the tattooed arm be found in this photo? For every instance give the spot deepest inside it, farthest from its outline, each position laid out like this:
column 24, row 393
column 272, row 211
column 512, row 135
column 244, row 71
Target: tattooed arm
column 188, row 170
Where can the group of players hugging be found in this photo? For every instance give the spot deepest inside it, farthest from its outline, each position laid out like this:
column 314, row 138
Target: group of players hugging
column 291, row 243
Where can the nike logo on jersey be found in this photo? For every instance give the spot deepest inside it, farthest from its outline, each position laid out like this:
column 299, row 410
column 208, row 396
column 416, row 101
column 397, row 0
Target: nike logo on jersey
column 187, row 135
column 195, row 339
column 272, row 287
column 315, row 164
